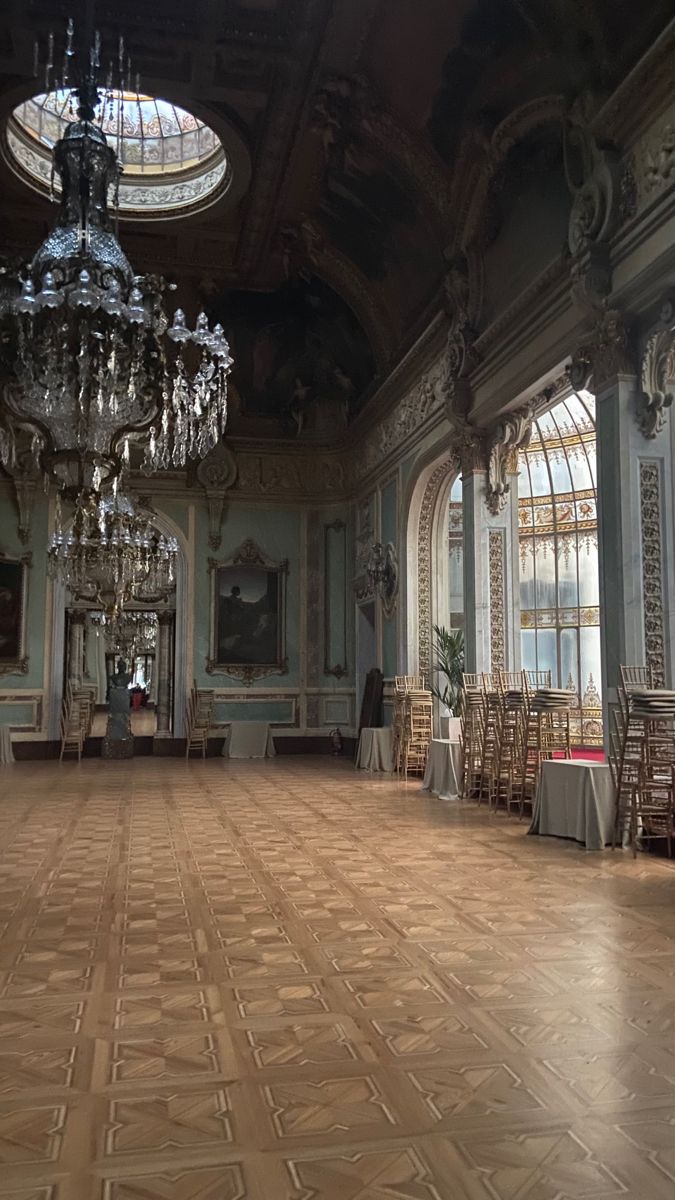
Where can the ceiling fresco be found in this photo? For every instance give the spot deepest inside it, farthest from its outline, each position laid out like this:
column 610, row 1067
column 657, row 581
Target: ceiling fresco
column 348, row 128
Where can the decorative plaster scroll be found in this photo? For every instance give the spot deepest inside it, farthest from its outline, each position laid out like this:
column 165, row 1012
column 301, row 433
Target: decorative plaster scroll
column 658, row 382
column 652, row 569
column 497, row 572
column 593, row 171
column 217, row 473
column 510, row 435
column 424, row 561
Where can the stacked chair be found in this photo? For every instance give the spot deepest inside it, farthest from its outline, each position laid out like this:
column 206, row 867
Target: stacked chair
column 413, row 716
column 511, row 722
column 471, row 734
column 77, row 715
column 642, row 759
column 198, row 720
column 547, row 733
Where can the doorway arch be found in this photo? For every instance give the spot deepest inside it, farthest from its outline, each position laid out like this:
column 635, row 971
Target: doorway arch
column 427, row 560
column 180, row 604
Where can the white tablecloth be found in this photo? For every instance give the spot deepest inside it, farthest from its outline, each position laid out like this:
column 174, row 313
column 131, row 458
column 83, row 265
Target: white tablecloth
column 6, row 752
column 375, row 751
column 575, row 800
column 450, row 728
column 249, row 739
column 443, row 774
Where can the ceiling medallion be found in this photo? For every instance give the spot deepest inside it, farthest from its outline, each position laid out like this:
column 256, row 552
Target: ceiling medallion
column 92, row 361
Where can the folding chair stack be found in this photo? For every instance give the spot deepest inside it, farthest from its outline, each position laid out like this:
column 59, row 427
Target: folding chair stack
column 413, row 716
column 198, row 717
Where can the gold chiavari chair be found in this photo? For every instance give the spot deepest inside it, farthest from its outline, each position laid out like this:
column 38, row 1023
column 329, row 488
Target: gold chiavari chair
column 471, row 733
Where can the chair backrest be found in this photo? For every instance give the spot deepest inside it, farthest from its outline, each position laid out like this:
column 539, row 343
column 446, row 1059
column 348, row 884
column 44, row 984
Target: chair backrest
column 633, row 677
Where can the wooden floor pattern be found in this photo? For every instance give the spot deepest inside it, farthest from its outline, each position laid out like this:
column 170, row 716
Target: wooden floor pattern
column 291, row 981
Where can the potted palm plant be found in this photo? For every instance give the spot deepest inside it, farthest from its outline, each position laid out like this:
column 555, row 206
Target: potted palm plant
column 448, row 651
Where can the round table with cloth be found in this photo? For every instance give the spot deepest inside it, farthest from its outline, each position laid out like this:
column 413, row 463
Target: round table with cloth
column 375, row 752
column 443, row 774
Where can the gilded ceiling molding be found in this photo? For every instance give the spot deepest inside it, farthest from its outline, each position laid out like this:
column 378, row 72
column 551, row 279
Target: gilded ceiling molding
column 657, row 376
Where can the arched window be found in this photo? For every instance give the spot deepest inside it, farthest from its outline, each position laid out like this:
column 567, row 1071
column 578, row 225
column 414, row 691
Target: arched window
column 559, row 577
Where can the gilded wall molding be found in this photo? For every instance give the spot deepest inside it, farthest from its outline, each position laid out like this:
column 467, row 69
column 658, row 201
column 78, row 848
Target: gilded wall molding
column 435, row 483
column 652, row 569
column 497, row 575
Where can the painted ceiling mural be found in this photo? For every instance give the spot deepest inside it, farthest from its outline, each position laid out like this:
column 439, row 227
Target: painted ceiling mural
column 303, row 364
column 347, row 130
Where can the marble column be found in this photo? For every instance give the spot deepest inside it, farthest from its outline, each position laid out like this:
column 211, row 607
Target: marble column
column 163, row 664
column 491, row 575
column 76, row 623
column 636, row 537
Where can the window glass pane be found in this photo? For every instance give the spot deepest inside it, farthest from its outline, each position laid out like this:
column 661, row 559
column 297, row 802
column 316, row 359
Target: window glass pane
column 526, row 573
column 568, row 592
column 545, row 573
column 528, row 649
column 569, row 659
column 539, row 476
column 560, row 472
column 589, row 638
column 547, row 656
column 589, row 577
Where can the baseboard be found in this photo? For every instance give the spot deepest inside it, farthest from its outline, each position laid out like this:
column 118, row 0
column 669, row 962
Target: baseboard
column 171, row 747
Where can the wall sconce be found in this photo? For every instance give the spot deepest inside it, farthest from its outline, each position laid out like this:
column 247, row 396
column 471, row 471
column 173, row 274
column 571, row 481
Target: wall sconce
column 382, row 570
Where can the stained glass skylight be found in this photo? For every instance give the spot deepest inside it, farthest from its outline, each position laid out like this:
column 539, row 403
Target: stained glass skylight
column 172, row 161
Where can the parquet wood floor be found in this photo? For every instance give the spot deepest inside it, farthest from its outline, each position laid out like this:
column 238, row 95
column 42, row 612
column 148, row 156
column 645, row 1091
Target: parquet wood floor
column 291, row 981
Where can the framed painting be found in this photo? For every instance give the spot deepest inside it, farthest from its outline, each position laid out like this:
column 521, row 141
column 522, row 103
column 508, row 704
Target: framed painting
column 13, row 612
column 248, row 615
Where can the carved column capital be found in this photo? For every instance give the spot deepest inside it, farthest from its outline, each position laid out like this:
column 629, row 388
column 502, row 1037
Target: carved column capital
column 165, row 618
column 608, row 351
column 510, row 434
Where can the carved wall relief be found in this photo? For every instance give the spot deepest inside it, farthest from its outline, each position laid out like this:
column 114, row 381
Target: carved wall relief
column 497, row 575
column 424, row 560
column 652, row 569
column 657, row 377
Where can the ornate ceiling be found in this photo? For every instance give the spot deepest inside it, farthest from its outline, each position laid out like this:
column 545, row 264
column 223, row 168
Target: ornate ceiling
column 350, row 127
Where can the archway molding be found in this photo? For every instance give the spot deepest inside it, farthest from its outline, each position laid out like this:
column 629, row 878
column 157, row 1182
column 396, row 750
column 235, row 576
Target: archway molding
column 427, row 575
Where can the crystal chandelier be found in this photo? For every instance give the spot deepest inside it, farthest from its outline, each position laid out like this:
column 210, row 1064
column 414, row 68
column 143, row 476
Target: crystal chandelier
column 92, row 361
column 127, row 633
column 112, row 555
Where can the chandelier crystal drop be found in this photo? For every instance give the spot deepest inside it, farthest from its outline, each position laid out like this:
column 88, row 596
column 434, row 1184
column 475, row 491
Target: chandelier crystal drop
column 112, row 555
column 91, row 363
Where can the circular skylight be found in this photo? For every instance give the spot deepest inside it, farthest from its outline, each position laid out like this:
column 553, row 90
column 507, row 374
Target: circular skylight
column 172, row 162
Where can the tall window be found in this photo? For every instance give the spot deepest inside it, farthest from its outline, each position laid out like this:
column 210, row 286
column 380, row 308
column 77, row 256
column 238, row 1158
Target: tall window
column 559, row 578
